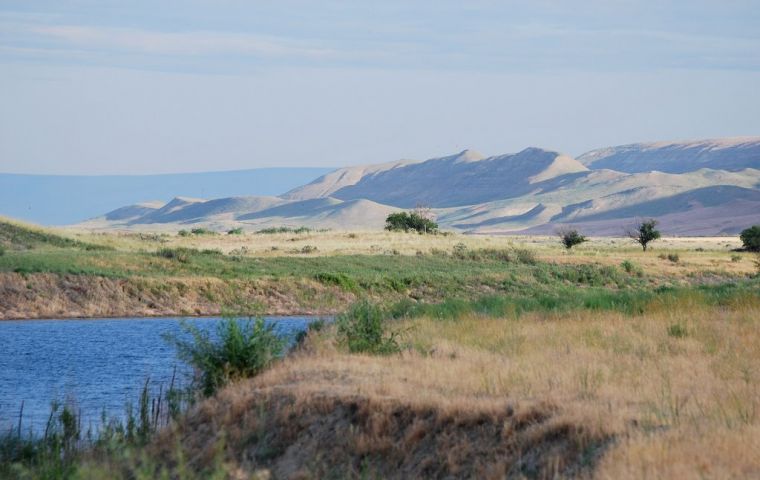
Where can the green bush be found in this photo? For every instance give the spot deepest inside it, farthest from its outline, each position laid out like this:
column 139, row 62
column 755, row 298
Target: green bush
column 235, row 231
column 179, row 254
column 570, row 237
column 242, row 349
column 750, row 238
column 362, row 330
column 672, row 257
column 340, row 279
column 202, row 231
column 183, row 233
column 406, row 221
column 632, row 268
column 2, row 250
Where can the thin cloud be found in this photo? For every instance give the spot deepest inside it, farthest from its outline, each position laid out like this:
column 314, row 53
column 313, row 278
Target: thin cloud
column 196, row 43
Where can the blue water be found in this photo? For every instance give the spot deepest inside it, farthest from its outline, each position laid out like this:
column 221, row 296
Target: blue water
column 96, row 363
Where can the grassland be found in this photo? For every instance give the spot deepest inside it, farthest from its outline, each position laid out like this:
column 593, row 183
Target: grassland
column 517, row 359
column 70, row 273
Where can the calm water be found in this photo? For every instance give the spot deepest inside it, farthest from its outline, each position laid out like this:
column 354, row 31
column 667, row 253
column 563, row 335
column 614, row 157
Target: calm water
column 100, row 363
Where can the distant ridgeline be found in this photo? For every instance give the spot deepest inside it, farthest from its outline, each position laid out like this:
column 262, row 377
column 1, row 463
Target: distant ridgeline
column 708, row 187
column 67, row 199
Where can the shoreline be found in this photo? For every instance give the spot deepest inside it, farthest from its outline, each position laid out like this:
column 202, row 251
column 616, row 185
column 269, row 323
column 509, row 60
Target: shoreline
column 159, row 317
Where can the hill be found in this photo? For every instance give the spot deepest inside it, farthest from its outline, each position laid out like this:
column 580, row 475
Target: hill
column 678, row 157
column 533, row 190
column 465, row 178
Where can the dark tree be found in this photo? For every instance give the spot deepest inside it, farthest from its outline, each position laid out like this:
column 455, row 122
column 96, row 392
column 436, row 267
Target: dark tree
column 751, row 238
column 570, row 237
column 410, row 221
column 644, row 232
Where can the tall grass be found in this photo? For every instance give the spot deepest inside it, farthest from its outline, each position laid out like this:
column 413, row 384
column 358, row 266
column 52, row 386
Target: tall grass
column 64, row 446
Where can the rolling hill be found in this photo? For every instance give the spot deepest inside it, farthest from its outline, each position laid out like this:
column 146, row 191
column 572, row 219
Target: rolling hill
column 731, row 154
column 704, row 187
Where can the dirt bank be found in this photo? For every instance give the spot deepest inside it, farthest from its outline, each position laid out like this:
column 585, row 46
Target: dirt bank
column 43, row 295
column 282, row 434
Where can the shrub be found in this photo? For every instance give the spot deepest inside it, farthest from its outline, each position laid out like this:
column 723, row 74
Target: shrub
column 2, row 250
column 202, row 231
column 273, row 230
column 750, row 238
column 242, row 349
column 736, row 258
column 644, row 233
column 340, row 279
column 235, row 231
column 405, row 221
column 570, row 237
column 460, row 250
column 673, row 257
column 632, row 268
column 677, row 330
column 361, row 329
column 526, row 256
column 308, row 249
column 180, row 254
column 183, row 233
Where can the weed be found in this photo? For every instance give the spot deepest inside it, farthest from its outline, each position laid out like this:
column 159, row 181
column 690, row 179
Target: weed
column 361, row 329
column 677, row 330
column 242, row 349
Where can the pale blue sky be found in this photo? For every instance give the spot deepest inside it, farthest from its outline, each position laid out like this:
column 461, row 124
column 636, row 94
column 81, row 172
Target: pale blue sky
column 101, row 86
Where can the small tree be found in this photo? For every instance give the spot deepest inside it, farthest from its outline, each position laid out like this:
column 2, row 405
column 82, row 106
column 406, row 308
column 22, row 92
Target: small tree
column 751, row 238
column 570, row 237
column 410, row 221
column 644, row 232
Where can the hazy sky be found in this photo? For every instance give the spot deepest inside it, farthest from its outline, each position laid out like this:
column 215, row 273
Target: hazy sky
column 103, row 86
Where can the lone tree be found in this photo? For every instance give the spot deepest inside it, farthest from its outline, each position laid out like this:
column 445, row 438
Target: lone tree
column 644, row 232
column 751, row 238
column 410, row 221
column 570, row 237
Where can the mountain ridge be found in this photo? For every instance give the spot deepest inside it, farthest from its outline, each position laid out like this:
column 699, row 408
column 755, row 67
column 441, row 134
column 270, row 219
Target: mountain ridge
column 532, row 190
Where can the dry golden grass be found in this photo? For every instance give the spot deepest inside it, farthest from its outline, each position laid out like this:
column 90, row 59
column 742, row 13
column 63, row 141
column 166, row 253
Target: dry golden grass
column 697, row 255
column 649, row 401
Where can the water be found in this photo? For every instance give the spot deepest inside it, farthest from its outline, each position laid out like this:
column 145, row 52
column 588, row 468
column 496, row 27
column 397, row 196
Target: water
column 98, row 363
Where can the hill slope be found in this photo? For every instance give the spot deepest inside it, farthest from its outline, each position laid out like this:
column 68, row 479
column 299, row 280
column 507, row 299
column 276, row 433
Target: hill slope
column 462, row 179
column 678, row 157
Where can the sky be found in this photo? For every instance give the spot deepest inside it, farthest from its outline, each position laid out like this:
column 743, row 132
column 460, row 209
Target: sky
column 112, row 87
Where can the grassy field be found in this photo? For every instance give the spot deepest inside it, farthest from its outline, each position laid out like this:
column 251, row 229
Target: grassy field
column 515, row 358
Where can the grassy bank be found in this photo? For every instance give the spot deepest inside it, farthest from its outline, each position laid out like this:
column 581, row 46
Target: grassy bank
column 668, row 390
column 60, row 274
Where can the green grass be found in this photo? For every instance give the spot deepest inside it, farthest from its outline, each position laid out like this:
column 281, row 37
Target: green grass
column 632, row 301
column 16, row 236
column 368, row 273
